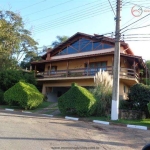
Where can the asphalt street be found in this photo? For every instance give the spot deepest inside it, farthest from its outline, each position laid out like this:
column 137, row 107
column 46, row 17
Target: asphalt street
column 20, row 131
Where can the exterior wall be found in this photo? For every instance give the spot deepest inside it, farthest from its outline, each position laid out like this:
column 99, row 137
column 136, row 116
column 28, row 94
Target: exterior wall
column 67, row 83
column 123, row 90
column 80, row 63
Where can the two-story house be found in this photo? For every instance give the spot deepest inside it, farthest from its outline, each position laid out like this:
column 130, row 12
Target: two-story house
column 79, row 58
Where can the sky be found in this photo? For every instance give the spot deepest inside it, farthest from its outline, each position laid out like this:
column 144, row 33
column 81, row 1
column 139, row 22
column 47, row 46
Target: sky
column 50, row 18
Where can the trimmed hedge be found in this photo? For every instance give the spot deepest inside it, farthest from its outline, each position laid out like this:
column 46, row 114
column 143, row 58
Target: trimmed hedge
column 23, row 94
column 77, row 100
column 139, row 96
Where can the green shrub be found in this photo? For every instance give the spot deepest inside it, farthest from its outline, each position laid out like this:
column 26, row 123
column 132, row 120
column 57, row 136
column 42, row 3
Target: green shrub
column 23, row 94
column 103, row 100
column 9, row 78
column 77, row 100
column 139, row 96
column 103, row 93
column 125, row 104
column 2, row 97
column 148, row 106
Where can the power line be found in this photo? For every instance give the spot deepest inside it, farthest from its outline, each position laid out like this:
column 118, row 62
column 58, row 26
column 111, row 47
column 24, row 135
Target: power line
column 138, row 40
column 134, row 34
column 71, row 20
column 94, row 6
column 111, row 7
column 136, row 37
column 139, row 5
column 136, row 28
column 135, row 22
column 69, row 17
column 32, row 5
column 48, row 8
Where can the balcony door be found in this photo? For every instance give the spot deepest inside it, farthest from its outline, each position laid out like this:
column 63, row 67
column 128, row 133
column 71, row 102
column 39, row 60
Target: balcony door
column 53, row 69
column 97, row 66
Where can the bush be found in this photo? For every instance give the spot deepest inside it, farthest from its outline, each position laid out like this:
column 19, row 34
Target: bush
column 77, row 100
column 148, row 106
column 23, row 94
column 9, row 78
column 125, row 104
column 103, row 93
column 2, row 97
column 139, row 96
column 103, row 100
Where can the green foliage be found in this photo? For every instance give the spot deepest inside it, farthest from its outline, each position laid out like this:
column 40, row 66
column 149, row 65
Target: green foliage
column 148, row 106
column 146, row 81
column 59, row 40
column 103, row 100
column 2, row 97
column 15, row 40
column 29, row 57
column 77, row 100
column 139, row 96
column 103, row 93
column 125, row 104
column 23, row 94
column 10, row 77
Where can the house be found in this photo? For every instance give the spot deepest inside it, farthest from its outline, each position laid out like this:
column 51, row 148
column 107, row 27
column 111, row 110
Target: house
column 79, row 58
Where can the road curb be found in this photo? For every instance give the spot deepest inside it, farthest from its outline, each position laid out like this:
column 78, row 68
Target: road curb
column 47, row 115
column 7, row 109
column 85, row 120
column 71, row 118
column 26, row 112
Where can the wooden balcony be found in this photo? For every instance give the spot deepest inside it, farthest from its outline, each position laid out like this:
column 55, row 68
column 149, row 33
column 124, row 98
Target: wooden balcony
column 125, row 73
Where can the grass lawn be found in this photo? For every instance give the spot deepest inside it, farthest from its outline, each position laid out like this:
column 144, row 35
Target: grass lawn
column 10, row 107
column 144, row 122
column 41, row 106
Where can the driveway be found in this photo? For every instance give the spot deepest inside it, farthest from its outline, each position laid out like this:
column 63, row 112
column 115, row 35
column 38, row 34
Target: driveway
column 36, row 132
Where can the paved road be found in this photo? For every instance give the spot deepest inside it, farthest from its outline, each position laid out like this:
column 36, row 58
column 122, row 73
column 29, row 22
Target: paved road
column 31, row 132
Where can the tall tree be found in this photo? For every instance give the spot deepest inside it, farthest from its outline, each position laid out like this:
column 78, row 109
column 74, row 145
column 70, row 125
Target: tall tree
column 59, row 40
column 15, row 40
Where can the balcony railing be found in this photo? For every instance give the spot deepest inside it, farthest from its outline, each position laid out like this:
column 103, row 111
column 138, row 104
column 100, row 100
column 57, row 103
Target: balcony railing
column 124, row 72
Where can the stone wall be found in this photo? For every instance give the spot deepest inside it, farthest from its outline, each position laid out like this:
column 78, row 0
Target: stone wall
column 131, row 114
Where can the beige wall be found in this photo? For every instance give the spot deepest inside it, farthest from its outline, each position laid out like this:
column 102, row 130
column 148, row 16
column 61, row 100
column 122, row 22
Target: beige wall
column 123, row 94
column 85, row 82
column 80, row 63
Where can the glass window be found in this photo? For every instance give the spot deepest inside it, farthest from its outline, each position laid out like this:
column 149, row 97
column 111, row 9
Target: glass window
column 97, row 66
column 75, row 45
column 124, row 89
column 87, row 48
column 53, row 69
column 83, row 42
column 107, row 46
column 95, row 45
column 71, row 50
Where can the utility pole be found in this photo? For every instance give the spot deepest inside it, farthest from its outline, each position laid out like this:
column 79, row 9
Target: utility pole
column 116, row 68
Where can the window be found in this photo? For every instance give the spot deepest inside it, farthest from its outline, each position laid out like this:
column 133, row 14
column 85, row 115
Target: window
column 53, row 69
column 71, row 50
column 124, row 89
column 83, row 45
column 95, row 67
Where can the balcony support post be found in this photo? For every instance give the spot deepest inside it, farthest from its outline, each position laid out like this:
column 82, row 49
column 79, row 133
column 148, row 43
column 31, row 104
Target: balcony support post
column 67, row 68
column 134, row 67
column 88, row 66
column 50, row 66
column 35, row 71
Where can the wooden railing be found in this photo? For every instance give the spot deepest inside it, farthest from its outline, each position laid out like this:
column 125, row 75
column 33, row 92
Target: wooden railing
column 124, row 72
